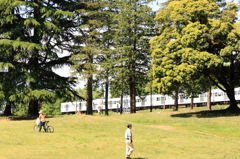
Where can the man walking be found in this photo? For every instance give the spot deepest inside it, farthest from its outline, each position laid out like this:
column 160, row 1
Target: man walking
column 128, row 137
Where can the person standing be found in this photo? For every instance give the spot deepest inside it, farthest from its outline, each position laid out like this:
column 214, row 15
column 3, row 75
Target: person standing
column 129, row 141
column 99, row 111
column 42, row 121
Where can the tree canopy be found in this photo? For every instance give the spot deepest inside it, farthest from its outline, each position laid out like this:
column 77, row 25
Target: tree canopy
column 197, row 39
column 33, row 34
column 195, row 48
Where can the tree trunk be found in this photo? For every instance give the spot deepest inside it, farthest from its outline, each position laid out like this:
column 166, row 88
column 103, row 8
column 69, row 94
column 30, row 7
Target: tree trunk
column 106, row 96
column 175, row 107
column 33, row 107
column 191, row 104
column 233, row 103
column 89, row 96
column 121, row 102
column 209, row 107
column 151, row 97
column 7, row 110
column 132, row 95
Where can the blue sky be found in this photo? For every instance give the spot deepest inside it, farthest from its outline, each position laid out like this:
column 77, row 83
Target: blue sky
column 156, row 4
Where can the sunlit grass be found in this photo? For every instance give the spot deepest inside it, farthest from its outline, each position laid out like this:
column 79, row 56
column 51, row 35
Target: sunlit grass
column 157, row 134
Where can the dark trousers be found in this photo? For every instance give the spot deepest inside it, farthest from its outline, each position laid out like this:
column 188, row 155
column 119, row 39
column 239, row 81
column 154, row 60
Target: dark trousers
column 42, row 124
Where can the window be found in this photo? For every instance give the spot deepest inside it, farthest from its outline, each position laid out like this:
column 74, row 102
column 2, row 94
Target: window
column 217, row 94
column 237, row 92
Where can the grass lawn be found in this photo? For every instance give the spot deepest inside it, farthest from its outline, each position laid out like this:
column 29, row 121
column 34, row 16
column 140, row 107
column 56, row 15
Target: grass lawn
column 161, row 134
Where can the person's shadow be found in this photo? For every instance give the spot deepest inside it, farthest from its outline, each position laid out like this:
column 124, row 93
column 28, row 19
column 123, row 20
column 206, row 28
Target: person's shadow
column 138, row 158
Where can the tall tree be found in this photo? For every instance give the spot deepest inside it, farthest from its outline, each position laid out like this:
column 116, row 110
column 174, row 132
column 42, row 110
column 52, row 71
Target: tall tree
column 41, row 30
column 7, row 59
column 133, row 33
column 205, row 37
column 87, row 50
column 107, row 45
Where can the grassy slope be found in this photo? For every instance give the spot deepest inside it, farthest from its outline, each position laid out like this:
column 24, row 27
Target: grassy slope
column 156, row 135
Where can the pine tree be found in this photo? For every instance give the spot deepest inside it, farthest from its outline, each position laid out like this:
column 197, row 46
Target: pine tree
column 135, row 23
column 108, row 49
column 87, row 49
column 39, row 31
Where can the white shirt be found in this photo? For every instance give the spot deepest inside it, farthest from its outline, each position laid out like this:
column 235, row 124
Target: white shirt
column 128, row 133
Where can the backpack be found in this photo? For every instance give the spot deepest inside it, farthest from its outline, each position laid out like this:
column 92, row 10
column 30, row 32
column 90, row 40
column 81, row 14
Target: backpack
column 37, row 121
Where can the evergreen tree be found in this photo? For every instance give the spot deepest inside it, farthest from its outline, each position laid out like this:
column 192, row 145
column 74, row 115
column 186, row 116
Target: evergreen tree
column 39, row 31
column 87, row 49
column 108, row 49
column 135, row 23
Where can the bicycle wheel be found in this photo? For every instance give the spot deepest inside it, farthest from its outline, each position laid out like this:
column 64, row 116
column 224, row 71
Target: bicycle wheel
column 36, row 128
column 50, row 129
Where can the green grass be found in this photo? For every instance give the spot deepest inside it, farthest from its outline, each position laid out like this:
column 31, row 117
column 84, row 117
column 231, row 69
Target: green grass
column 160, row 134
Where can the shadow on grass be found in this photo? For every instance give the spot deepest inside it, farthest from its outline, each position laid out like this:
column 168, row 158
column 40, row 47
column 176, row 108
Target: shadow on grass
column 139, row 158
column 209, row 114
column 22, row 117
column 12, row 118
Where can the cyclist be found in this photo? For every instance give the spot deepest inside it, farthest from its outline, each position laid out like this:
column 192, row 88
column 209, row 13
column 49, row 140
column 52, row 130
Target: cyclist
column 42, row 119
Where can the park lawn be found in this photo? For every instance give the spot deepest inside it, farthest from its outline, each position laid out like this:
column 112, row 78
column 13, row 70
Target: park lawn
column 160, row 134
